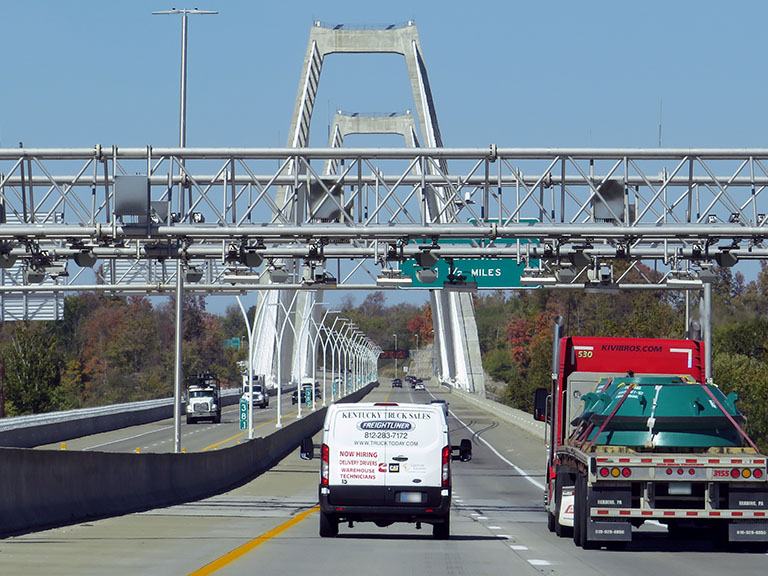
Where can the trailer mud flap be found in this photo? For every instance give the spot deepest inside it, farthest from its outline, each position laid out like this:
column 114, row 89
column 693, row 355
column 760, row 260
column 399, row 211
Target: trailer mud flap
column 748, row 532
column 609, row 531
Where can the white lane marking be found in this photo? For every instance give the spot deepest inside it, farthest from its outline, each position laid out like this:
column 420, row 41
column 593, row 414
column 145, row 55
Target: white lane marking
column 128, row 438
column 534, row 562
column 482, row 517
column 518, row 547
column 494, row 527
column 520, row 471
column 503, row 536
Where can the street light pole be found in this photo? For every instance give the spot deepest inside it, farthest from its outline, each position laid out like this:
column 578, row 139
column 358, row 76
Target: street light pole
column 395, row 335
column 177, row 375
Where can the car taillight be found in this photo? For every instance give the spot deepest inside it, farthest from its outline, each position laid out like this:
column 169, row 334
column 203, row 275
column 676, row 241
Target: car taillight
column 446, row 465
column 758, row 473
column 324, row 465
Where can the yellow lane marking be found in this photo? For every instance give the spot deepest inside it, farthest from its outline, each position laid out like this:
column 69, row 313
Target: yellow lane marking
column 235, row 437
column 227, row 559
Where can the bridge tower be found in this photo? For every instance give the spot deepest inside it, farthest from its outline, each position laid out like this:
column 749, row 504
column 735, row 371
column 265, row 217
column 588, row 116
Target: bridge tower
column 455, row 328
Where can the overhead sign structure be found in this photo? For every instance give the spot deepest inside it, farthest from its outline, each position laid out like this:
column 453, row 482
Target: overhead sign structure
column 485, row 272
column 391, row 354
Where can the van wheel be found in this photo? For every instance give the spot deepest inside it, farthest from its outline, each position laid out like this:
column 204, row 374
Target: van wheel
column 329, row 526
column 442, row 531
column 190, row 420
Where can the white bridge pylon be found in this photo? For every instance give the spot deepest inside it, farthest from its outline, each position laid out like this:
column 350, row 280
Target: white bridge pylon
column 456, row 338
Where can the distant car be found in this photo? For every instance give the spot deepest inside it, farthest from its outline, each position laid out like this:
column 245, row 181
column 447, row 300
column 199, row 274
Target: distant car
column 419, row 386
column 442, row 403
column 397, row 383
column 305, row 386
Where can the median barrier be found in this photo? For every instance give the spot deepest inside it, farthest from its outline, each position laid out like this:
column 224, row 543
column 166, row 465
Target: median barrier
column 53, row 427
column 45, row 488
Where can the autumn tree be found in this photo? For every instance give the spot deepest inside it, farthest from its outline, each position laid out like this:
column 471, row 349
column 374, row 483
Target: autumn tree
column 31, row 368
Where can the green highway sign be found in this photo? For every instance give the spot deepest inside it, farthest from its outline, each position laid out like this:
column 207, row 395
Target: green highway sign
column 243, row 414
column 487, row 273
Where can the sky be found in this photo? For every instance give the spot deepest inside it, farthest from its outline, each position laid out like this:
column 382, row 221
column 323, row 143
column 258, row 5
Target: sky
column 593, row 73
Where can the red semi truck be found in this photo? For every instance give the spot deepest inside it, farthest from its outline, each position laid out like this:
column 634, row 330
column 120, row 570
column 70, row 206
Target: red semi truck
column 636, row 433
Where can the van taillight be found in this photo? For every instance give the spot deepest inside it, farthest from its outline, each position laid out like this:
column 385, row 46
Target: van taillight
column 446, row 465
column 324, row 466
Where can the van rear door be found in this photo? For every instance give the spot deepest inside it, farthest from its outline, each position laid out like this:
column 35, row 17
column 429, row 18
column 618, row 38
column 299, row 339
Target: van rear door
column 415, row 439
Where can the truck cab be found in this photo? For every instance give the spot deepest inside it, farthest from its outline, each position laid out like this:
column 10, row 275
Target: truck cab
column 203, row 398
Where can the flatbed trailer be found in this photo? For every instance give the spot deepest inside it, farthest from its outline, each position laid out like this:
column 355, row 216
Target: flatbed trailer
column 689, row 464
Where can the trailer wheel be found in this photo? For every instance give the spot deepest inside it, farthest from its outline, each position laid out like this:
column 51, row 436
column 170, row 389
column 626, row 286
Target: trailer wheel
column 329, row 525
column 581, row 515
column 190, row 420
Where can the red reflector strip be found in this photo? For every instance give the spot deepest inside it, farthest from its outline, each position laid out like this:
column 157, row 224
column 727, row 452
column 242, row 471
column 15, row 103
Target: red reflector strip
column 714, row 513
column 623, row 460
column 669, row 512
column 736, row 461
column 760, row 514
column 668, row 460
column 691, row 461
column 429, row 510
column 339, row 509
column 625, row 512
column 602, row 459
column 646, row 512
column 759, row 461
column 646, row 460
column 691, row 513
column 602, row 512
column 738, row 513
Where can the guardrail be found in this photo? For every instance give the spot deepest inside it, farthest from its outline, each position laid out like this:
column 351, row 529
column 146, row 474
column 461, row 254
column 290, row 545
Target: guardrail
column 44, row 488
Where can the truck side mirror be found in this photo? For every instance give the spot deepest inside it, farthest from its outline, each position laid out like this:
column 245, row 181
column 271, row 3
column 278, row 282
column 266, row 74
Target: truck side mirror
column 307, row 450
column 540, row 405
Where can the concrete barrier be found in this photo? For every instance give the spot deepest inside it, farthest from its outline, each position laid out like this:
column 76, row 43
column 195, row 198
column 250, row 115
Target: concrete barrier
column 45, row 488
column 519, row 418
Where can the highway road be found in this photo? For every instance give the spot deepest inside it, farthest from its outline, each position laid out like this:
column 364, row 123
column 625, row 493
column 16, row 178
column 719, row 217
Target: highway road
column 270, row 526
column 202, row 436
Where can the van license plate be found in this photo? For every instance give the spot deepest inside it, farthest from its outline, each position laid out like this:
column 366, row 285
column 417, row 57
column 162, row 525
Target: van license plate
column 411, row 497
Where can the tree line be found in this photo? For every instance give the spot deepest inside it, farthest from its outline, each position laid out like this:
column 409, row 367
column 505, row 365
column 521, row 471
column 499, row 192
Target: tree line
column 110, row 349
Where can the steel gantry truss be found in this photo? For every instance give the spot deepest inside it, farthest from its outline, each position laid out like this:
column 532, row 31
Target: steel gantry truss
column 59, row 205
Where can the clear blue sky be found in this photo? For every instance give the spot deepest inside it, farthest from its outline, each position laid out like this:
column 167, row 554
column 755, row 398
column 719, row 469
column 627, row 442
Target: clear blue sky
column 518, row 74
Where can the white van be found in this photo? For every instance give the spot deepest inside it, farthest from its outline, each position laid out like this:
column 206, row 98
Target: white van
column 385, row 463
